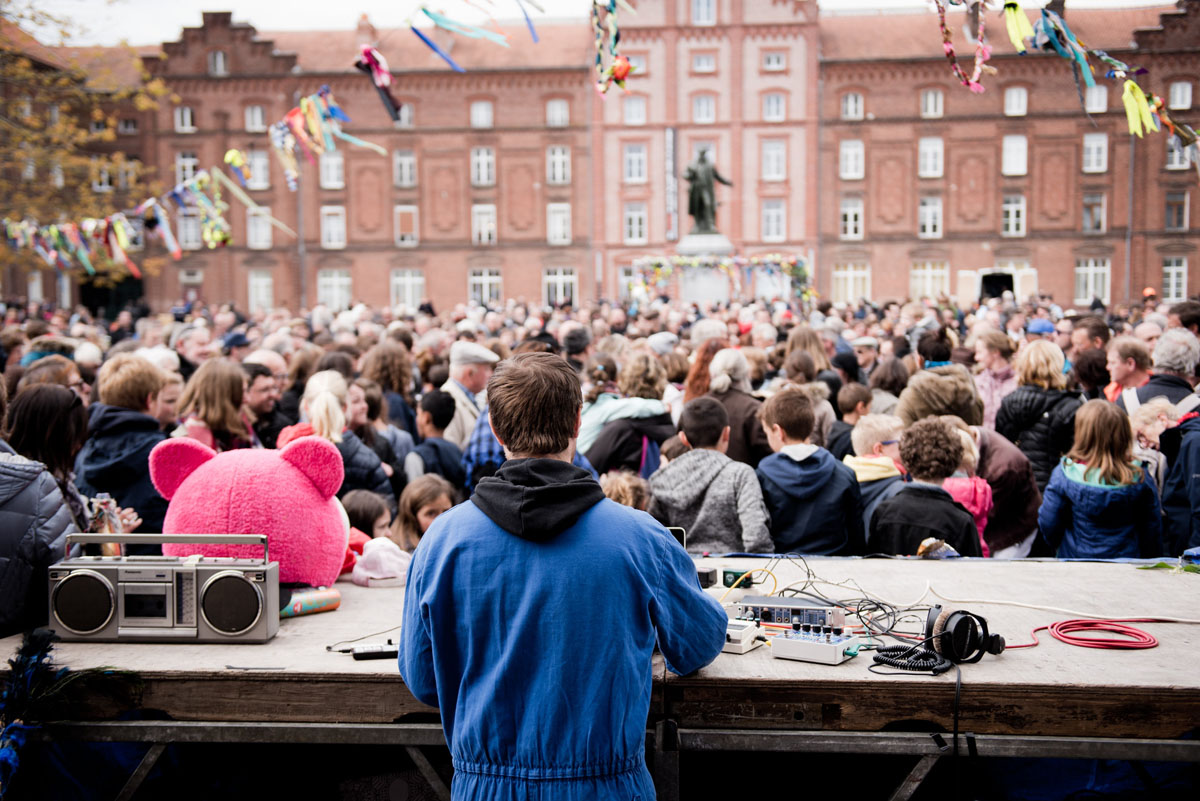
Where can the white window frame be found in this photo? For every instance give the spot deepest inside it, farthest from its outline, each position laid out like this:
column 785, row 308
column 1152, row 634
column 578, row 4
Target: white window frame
column 187, row 227
column 409, row 240
column 185, row 119
column 1096, row 274
column 640, row 64
column 1016, row 101
column 218, row 64
column 1186, row 222
column 124, row 126
column 127, row 173
column 260, row 290
column 852, row 160
column 929, row 217
column 852, row 106
column 774, row 61
column 483, row 166
column 406, row 116
column 704, row 109
column 933, row 104
column 258, row 161
column 1014, row 158
column 558, row 113
column 101, row 177
column 850, row 225
column 485, row 286
column 634, row 224
column 333, row 170
column 484, row 224
column 704, row 62
column 1103, row 213
column 558, row 165
column 774, row 220
column 634, row 158
column 258, row 228
column 560, row 285
column 930, row 157
column 774, row 160
column 255, row 118
column 333, row 227
column 1179, row 96
column 187, row 163
column 1096, row 99
column 848, row 277
column 633, row 109
column 1174, row 281
column 404, row 168
column 1177, row 157
column 406, row 288
column 483, row 114
column 1095, row 152
column 704, row 12
column 774, row 107
column 558, row 223
column 928, row 279
column 335, row 289
column 1013, row 216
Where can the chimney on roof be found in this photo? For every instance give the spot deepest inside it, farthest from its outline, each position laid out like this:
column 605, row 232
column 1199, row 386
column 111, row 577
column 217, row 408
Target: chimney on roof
column 366, row 31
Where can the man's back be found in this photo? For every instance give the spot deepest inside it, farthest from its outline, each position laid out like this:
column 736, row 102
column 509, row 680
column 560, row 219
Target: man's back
column 531, row 626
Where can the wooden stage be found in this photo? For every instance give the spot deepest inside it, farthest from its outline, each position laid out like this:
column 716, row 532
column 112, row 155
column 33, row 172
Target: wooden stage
column 1034, row 701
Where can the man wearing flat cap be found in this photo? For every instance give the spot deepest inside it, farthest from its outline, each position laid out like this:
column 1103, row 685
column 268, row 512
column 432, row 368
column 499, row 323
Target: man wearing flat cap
column 471, row 366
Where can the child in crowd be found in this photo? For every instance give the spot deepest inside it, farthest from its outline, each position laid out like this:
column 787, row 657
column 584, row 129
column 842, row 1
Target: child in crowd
column 627, row 489
column 422, row 501
column 436, row 454
column 367, row 512
column 932, row 452
column 673, row 448
column 876, row 461
column 964, row 486
column 716, row 500
column 814, row 500
column 854, row 401
column 1099, row 504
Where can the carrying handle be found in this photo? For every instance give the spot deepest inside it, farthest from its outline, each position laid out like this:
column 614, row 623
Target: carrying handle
column 159, row 539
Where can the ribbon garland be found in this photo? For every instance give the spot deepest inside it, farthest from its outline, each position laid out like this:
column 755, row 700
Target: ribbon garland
column 608, row 37
column 656, row 271
column 982, row 50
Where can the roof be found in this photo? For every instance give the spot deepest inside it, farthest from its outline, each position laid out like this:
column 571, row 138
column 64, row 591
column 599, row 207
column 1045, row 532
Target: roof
column 13, row 38
column 561, row 45
column 881, row 36
column 107, row 68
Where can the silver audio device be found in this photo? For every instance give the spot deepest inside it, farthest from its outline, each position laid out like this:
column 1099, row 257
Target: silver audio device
column 193, row 599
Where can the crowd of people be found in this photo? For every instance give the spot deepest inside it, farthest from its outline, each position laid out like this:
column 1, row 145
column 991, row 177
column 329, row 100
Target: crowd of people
column 1009, row 429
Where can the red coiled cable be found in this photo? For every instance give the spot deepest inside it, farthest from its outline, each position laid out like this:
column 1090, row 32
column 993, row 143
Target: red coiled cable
column 1131, row 638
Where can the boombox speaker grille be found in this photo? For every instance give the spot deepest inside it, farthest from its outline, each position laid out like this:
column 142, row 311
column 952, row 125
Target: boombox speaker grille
column 83, row 602
column 230, row 604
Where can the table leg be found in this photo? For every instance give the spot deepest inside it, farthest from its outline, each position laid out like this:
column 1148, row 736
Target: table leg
column 427, row 770
column 915, row 777
column 141, row 771
column 666, row 760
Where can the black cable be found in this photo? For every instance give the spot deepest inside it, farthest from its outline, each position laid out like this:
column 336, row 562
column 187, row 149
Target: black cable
column 356, row 639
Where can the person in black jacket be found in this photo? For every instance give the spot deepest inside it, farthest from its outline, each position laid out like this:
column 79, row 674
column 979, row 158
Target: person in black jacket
column 931, row 451
column 1039, row 415
column 436, row 454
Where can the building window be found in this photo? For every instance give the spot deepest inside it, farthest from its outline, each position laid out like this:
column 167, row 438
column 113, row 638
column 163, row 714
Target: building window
column 929, row 157
column 634, row 163
column 101, row 178
column 216, row 64
column 185, row 120
column 625, row 283
column 256, row 119
column 774, row 160
column 333, row 227
column 851, row 226
column 126, row 126
column 186, row 164
column 851, row 160
column 1177, row 211
column 774, row 107
column 774, row 220
column 932, row 103
column 558, row 223
column 258, row 162
column 704, row 12
column 559, row 286
column 635, row 110
column 483, row 166
column 56, row 174
column 260, row 290
column 1174, row 284
column 407, row 289
column 258, row 228
column 704, row 109
column 127, row 174
column 406, row 116
column 1093, row 214
column 334, row 289
column 1091, row 280
column 1095, row 152
column 704, row 62
column 929, row 218
column 633, row 224
column 928, row 279
column 333, row 170
column 189, row 229
column 638, row 64
column 851, row 282
column 483, row 287
column 1177, row 157
column 774, row 61
column 483, row 224
column 481, row 114
column 1096, row 99
column 404, row 224
column 558, row 113
column 1179, row 96
column 97, row 126
column 1016, row 101
column 1012, row 216
column 852, row 106
column 558, row 164
column 1014, row 158
column 404, row 168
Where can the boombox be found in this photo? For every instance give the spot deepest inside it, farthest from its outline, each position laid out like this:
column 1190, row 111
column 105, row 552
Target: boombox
column 164, row 598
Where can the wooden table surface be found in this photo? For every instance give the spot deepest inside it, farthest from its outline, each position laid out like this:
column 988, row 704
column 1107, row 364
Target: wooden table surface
column 1052, row 689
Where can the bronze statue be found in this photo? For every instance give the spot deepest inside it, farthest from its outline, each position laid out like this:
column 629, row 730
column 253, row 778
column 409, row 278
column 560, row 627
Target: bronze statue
column 702, row 199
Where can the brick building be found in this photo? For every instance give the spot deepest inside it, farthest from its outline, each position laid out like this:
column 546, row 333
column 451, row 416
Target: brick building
column 930, row 189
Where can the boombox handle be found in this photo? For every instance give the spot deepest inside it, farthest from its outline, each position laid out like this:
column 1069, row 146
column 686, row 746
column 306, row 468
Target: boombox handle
column 159, row 539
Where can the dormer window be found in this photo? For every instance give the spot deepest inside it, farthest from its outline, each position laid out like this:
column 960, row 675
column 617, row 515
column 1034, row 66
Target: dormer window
column 217, row 66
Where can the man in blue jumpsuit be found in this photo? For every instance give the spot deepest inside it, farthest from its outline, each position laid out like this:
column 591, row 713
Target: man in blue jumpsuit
column 533, row 609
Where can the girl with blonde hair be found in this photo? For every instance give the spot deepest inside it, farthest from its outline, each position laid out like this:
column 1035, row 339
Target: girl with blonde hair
column 1039, row 415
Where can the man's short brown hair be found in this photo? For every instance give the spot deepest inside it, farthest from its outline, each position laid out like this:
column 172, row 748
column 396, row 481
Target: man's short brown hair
column 1128, row 347
column 127, row 381
column 930, row 449
column 792, row 410
column 534, row 401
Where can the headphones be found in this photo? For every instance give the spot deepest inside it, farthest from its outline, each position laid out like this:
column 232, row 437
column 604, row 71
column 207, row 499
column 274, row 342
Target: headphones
column 960, row 636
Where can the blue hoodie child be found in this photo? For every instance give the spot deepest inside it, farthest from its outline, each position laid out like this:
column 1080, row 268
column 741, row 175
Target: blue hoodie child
column 814, row 502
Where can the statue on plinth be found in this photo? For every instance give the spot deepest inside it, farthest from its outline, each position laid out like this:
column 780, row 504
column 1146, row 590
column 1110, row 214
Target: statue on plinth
column 702, row 199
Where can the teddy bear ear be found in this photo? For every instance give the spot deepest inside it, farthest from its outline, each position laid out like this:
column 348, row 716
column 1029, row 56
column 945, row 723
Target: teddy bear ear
column 173, row 460
column 318, row 460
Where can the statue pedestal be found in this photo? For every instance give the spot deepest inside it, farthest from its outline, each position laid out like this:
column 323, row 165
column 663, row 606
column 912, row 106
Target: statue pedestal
column 705, row 245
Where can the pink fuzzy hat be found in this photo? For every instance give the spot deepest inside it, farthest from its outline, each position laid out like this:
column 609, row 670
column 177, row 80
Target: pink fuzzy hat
column 286, row 494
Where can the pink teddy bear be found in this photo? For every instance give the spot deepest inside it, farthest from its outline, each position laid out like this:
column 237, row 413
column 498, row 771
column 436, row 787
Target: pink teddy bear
column 287, row 494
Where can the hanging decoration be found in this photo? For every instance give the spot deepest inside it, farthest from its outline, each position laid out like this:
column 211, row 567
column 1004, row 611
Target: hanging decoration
column 1018, row 26
column 982, row 50
column 608, row 37
column 1137, row 109
column 372, row 63
column 656, row 271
